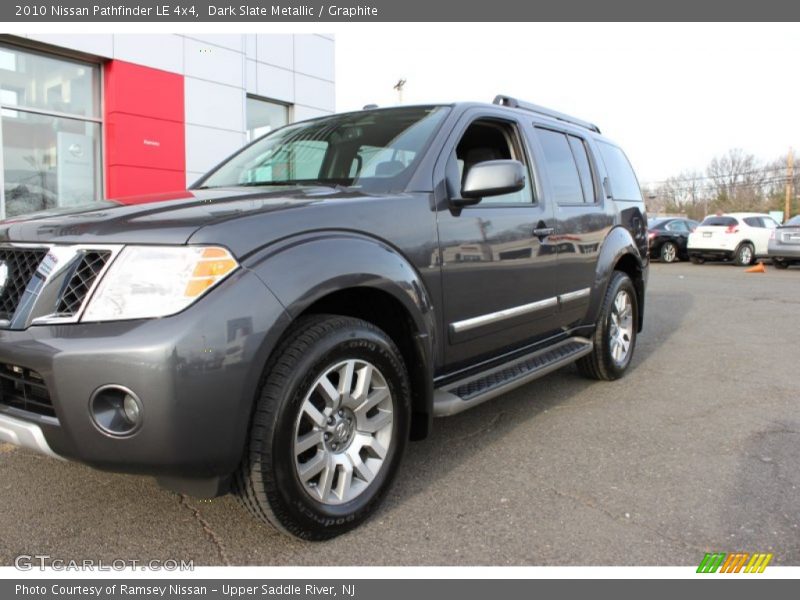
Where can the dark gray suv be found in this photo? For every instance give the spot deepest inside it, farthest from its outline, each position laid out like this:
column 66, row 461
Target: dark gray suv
column 283, row 328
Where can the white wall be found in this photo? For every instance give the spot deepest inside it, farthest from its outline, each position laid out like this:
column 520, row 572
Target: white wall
column 219, row 71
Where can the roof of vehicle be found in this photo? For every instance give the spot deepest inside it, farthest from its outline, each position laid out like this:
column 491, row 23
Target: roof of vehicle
column 505, row 103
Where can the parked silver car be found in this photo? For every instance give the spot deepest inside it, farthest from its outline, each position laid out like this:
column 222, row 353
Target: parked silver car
column 784, row 244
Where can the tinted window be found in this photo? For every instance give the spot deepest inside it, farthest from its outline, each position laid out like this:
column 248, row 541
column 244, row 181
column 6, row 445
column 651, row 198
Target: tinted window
column 753, row 221
column 677, row 225
column 657, row 223
column 561, row 167
column 624, row 185
column 717, row 221
column 692, row 225
column 769, row 222
column 584, row 167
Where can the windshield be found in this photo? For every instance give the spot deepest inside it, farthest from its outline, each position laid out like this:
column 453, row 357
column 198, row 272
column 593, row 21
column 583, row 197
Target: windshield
column 372, row 150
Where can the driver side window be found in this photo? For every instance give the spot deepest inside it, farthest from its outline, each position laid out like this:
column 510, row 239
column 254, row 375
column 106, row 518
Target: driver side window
column 490, row 139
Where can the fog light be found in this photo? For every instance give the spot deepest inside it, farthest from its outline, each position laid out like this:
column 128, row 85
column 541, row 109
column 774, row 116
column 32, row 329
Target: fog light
column 131, row 409
column 115, row 410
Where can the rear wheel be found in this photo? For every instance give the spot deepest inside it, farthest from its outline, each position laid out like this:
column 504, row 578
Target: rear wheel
column 329, row 428
column 780, row 263
column 744, row 255
column 615, row 335
column 669, row 252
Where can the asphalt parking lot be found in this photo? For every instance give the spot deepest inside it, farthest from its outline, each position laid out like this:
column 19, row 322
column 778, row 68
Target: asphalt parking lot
column 696, row 450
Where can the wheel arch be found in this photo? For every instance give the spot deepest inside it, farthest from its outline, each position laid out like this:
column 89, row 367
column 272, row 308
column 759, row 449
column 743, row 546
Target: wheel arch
column 357, row 276
column 619, row 253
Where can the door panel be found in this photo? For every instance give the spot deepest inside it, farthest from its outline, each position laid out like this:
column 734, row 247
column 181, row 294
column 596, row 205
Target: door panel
column 498, row 277
column 582, row 218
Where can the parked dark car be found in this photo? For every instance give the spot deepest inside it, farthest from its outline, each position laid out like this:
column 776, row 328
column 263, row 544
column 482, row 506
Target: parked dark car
column 784, row 244
column 284, row 328
column 668, row 236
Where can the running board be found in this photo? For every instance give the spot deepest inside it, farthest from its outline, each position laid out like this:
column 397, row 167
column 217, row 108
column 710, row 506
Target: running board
column 460, row 395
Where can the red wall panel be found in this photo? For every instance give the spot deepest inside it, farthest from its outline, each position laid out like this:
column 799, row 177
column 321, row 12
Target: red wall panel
column 145, row 134
column 131, row 181
column 138, row 90
column 145, row 142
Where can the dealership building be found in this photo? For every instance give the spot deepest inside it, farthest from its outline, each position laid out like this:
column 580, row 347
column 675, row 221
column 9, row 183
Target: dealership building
column 92, row 116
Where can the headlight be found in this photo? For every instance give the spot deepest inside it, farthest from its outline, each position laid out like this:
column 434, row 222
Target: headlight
column 156, row 281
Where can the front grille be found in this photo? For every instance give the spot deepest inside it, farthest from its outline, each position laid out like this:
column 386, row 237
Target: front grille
column 21, row 264
column 81, row 282
column 24, row 389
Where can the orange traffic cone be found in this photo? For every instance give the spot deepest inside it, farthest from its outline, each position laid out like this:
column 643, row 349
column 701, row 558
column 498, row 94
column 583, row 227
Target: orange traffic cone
column 759, row 268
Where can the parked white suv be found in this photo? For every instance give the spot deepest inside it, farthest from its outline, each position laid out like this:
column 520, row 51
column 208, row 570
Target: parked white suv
column 741, row 237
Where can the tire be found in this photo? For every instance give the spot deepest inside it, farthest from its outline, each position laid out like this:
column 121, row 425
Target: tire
column 296, row 427
column 780, row 263
column 669, row 252
column 697, row 260
column 602, row 363
column 744, row 255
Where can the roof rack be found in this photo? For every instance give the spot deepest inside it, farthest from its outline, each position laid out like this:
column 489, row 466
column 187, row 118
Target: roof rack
column 510, row 102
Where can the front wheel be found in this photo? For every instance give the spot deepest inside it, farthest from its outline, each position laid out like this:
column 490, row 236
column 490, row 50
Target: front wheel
column 615, row 335
column 329, row 428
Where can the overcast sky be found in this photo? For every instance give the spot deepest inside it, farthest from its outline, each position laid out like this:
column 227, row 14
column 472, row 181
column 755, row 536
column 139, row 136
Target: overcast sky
column 672, row 95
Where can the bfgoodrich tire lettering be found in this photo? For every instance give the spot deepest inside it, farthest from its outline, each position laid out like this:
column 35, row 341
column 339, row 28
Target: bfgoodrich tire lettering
column 619, row 304
column 268, row 483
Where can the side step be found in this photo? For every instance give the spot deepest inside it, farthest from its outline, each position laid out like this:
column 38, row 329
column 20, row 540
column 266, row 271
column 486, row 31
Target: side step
column 465, row 393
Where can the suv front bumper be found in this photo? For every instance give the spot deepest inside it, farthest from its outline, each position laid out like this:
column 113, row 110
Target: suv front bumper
column 195, row 373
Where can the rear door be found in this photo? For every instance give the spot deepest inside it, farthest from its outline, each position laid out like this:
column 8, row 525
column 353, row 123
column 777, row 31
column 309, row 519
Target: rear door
column 762, row 228
column 582, row 223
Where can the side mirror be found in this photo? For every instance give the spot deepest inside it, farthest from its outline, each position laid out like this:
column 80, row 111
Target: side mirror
column 491, row 178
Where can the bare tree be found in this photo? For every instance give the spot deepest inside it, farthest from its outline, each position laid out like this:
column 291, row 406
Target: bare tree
column 736, row 180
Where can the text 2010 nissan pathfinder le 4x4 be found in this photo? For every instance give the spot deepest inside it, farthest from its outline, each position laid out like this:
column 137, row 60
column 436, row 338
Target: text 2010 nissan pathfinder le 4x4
column 310, row 305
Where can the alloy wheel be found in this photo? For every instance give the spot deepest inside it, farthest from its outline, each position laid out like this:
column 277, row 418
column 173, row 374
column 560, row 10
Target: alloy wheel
column 343, row 432
column 621, row 329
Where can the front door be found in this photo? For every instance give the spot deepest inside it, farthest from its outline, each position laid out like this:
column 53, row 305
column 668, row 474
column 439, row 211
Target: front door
column 498, row 272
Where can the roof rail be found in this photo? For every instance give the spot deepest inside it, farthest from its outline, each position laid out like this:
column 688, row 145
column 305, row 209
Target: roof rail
column 501, row 100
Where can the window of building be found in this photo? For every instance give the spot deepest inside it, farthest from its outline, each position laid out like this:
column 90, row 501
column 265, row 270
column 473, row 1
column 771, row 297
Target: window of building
column 264, row 116
column 51, row 132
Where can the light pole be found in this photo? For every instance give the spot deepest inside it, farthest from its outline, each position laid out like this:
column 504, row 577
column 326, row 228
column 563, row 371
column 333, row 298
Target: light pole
column 399, row 87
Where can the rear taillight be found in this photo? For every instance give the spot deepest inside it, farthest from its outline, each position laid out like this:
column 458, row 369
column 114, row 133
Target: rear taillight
column 772, row 234
column 732, row 229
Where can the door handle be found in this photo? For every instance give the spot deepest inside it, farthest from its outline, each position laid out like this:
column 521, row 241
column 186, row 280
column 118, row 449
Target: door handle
column 543, row 232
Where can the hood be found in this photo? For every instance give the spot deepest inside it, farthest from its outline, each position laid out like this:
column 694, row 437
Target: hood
column 169, row 218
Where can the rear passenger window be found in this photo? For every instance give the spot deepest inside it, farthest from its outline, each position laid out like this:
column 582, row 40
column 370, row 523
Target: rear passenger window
column 679, row 226
column 624, row 185
column 581, row 155
column 753, row 221
column 561, row 167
